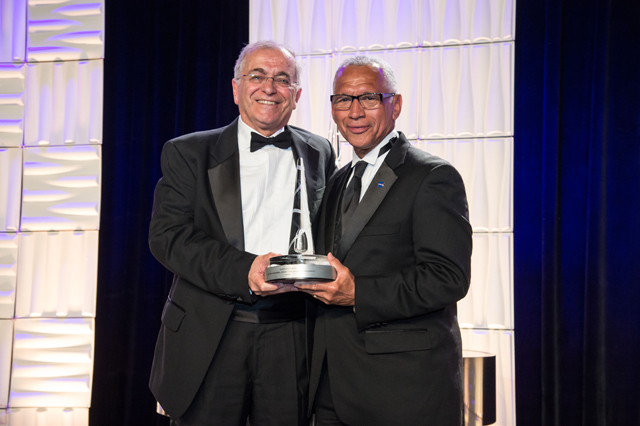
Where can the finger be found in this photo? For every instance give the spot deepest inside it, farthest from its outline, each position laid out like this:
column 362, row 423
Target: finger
column 333, row 261
column 268, row 287
column 311, row 287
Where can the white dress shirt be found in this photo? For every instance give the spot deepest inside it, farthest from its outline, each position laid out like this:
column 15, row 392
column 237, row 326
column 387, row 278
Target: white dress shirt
column 267, row 186
column 374, row 163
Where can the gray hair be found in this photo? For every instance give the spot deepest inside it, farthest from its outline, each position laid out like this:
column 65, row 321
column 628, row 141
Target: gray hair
column 373, row 62
column 264, row 45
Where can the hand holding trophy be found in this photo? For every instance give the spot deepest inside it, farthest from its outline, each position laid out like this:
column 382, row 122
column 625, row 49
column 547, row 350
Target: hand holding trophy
column 302, row 264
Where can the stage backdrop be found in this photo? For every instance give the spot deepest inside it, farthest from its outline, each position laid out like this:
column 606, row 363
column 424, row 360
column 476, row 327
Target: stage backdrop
column 453, row 61
column 51, row 80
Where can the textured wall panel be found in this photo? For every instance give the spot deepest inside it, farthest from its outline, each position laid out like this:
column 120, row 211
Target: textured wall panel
column 501, row 344
column 61, row 188
column 48, row 417
column 13, row 24
column 62, row 30
column 4, row 417
column 467, row 21
column 486, row 166
column 8, row 271
column 10, row 188
column 64, row 103
column 6, row 338
column 467, row 91
column 489, row 303
column 52, row 363
column 376, row 24
column 12, row 89
column 314, row 108
column 304, row 26
column 57, row 274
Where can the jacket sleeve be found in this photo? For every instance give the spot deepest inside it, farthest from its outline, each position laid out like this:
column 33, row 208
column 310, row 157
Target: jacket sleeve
column 184, row 248
column 442, row 244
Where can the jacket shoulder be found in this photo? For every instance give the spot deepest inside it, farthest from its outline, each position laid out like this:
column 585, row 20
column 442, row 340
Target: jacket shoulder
column 312, row 139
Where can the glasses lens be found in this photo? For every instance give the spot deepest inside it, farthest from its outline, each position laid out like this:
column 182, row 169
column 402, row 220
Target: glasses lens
column 282, row 82
column 369, row 100
column 257, row 79
column 341, row 102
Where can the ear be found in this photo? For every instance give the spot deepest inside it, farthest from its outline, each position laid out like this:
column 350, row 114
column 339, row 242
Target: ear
column 234, row 84
column 397, row 106
column 297, row 97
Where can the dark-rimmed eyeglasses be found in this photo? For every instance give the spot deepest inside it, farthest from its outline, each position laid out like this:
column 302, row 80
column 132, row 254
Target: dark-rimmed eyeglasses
column 367, row 100
column 280, row 80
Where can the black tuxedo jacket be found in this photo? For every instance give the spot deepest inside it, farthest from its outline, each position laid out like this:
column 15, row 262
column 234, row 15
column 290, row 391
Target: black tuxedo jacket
column 197, row 233
column 397, row 360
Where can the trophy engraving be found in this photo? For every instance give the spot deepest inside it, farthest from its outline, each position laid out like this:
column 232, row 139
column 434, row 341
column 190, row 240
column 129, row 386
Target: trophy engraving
column 302, row 264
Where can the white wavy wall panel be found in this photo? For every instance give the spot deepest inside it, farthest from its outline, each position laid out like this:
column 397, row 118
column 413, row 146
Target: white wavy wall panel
column 6, row 337
column 52, row 363
column 489, row 303
column 60, row 30
column 8, row 273
column 467, row 91
column 12, row 98
column 373, row 24
column 64, row 103
column 313, row 111
column 501, row 344
column 467, row 21
column 10, row 188
column 324, row 26
column 57, row 274
column 61, row 188
column 13, row 22
column 486, row 166
column 304, row 26
column 46, row 417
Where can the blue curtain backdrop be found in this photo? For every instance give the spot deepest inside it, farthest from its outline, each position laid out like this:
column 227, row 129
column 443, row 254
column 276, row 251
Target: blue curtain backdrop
column 577, row 212
column 168, row 71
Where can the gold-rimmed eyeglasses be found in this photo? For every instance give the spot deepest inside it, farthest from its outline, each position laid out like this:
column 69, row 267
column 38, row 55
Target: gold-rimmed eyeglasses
column 280, row 80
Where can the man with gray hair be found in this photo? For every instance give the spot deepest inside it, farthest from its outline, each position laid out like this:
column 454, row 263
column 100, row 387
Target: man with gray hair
column 231, row 346
column 387, row 346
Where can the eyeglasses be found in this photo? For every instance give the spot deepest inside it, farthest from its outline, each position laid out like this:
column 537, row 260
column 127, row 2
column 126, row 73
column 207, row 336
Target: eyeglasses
column 280, row 80
column 367, row 100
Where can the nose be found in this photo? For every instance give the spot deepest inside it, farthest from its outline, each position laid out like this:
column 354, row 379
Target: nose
column 269, row 86
column 356, row 111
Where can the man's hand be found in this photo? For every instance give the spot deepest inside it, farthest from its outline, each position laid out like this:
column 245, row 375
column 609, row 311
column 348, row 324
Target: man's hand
column 341, row 292
column 258, row 285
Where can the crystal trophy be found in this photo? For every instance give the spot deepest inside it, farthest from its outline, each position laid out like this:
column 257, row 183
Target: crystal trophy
column 303, row 264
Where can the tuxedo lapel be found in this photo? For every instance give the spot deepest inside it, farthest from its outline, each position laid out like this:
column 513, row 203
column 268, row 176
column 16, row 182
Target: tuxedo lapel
column 224, row 179
column 367, row 207
column 374, row 196
column 332, row 210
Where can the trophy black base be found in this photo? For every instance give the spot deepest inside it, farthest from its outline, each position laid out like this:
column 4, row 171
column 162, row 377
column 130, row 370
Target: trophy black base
column 299, row 267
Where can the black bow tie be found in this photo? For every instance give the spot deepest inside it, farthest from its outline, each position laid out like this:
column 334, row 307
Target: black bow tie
column 282, row 140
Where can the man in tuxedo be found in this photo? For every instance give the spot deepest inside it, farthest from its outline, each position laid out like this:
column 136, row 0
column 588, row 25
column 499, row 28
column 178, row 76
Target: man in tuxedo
column 232, row 346
column 387, row 347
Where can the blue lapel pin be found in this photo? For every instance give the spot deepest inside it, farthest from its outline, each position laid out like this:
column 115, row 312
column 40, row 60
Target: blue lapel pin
column 380, row 184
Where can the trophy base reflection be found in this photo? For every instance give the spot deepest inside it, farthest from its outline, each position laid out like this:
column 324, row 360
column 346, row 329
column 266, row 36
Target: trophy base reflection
column 299, row 267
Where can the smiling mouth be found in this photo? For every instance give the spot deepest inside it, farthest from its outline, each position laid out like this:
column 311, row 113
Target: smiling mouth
column 267, row 102
column 359, row 129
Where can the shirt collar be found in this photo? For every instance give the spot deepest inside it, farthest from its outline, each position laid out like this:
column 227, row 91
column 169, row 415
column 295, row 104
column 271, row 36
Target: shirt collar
column 372, row 156
column 244, row 135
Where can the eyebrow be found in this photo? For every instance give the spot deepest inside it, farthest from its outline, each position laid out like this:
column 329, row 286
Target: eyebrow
column 262, row 71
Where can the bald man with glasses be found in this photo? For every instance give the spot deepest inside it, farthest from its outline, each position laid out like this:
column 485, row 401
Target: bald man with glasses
column 231, row 346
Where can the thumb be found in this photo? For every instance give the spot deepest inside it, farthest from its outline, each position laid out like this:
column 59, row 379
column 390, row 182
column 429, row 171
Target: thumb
column 333, row 261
